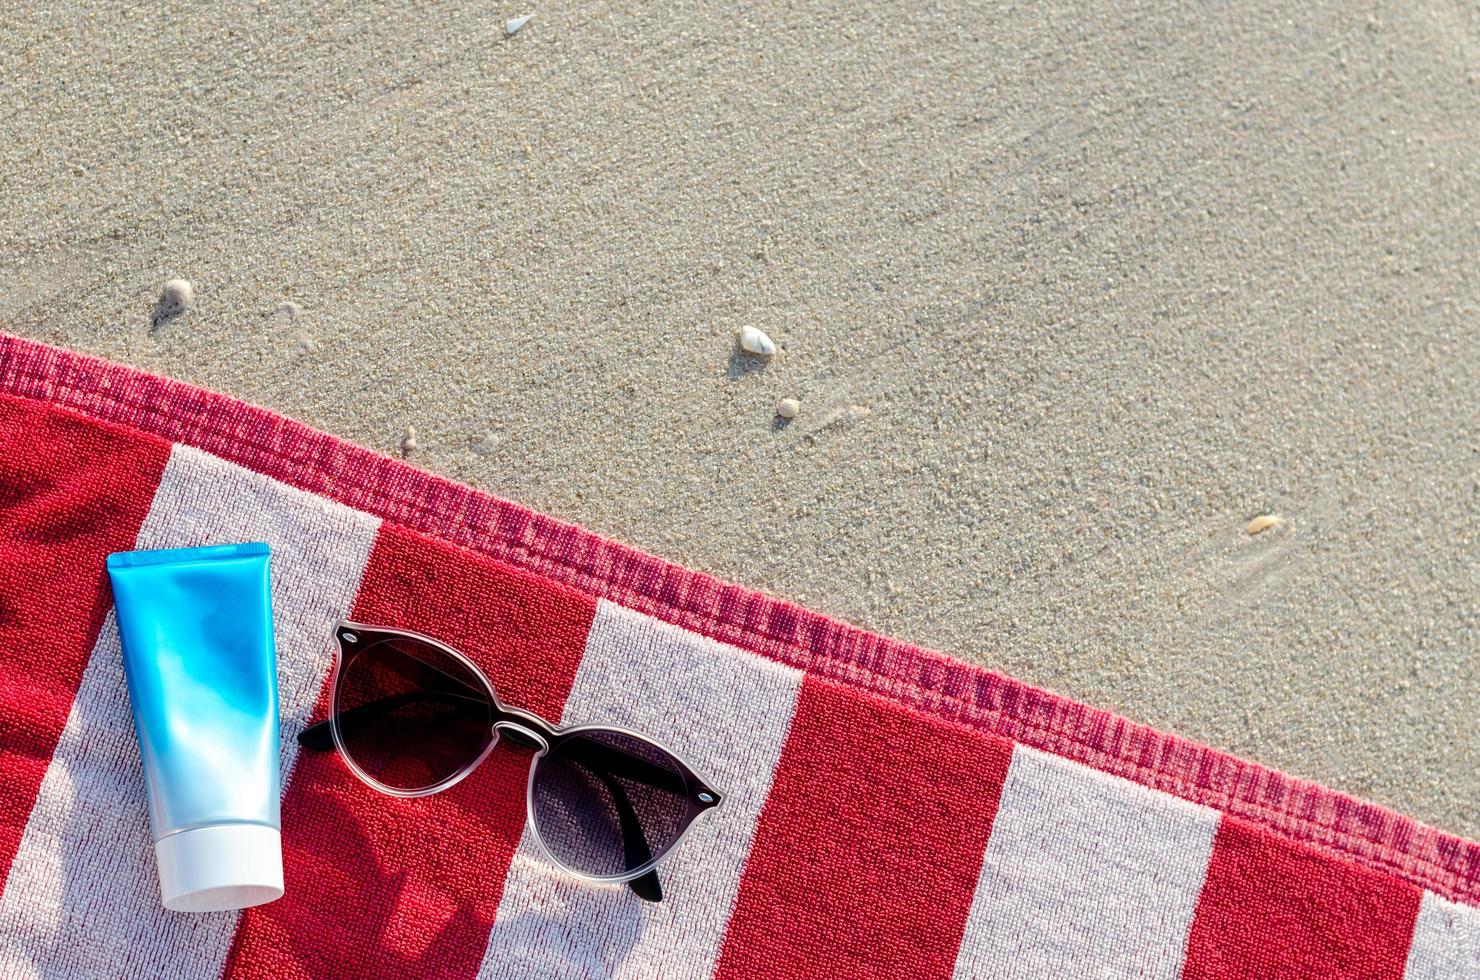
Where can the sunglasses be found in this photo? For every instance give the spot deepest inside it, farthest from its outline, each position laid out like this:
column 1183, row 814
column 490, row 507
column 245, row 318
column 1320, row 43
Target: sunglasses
column 412, row 716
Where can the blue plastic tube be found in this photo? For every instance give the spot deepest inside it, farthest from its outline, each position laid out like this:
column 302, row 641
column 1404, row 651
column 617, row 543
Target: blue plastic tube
column 196, row 630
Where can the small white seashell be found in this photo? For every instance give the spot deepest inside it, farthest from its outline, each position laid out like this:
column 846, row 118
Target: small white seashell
column 1263, row 523
column 177, row 292
column 788, row 408
column 408, row 441
column 512, row 25
column 486, row 445
column 177, row 296
column 754, row 341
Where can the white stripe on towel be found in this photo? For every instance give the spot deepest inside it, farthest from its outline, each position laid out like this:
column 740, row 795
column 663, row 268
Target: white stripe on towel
column 86, row 899
column 1085, row 875
column 1446, row 941
column 725, row 711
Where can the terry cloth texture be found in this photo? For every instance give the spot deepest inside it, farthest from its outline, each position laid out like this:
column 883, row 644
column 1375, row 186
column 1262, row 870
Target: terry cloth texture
column 889, row 812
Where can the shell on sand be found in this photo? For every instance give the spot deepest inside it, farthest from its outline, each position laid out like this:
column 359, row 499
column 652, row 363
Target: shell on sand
column 754, row 341
column 788, row 408
column 1263, row 523
column 177, row 295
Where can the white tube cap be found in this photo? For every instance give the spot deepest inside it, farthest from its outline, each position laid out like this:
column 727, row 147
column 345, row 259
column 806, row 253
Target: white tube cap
column 226, row 866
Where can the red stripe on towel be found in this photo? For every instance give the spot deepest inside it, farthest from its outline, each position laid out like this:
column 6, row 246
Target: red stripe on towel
column 383, row 886
column 72, row 490
column 1271, row 909
column 868, row 849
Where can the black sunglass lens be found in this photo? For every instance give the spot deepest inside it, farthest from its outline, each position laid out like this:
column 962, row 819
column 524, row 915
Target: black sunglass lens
column 409, row 714
column 607, row 803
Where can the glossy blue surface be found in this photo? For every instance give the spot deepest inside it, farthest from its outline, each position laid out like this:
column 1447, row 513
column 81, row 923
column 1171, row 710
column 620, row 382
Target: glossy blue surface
column 196, row 627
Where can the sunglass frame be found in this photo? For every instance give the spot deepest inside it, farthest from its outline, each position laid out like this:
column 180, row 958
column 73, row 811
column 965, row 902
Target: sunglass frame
column 351, row 637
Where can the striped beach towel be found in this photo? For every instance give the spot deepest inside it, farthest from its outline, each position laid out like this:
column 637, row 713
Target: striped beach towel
column 890, row 812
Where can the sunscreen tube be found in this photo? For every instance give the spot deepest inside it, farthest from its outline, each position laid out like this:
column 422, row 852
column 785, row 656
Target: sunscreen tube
column 196, row 630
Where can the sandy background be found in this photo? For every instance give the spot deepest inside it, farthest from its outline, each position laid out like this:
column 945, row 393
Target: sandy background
column 1068, row 291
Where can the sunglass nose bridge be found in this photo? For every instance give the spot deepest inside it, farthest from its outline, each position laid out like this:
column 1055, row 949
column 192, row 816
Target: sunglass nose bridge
column 521, row 735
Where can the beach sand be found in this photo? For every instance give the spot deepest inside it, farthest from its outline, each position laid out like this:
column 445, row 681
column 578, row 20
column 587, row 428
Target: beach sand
column 1068, row 294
